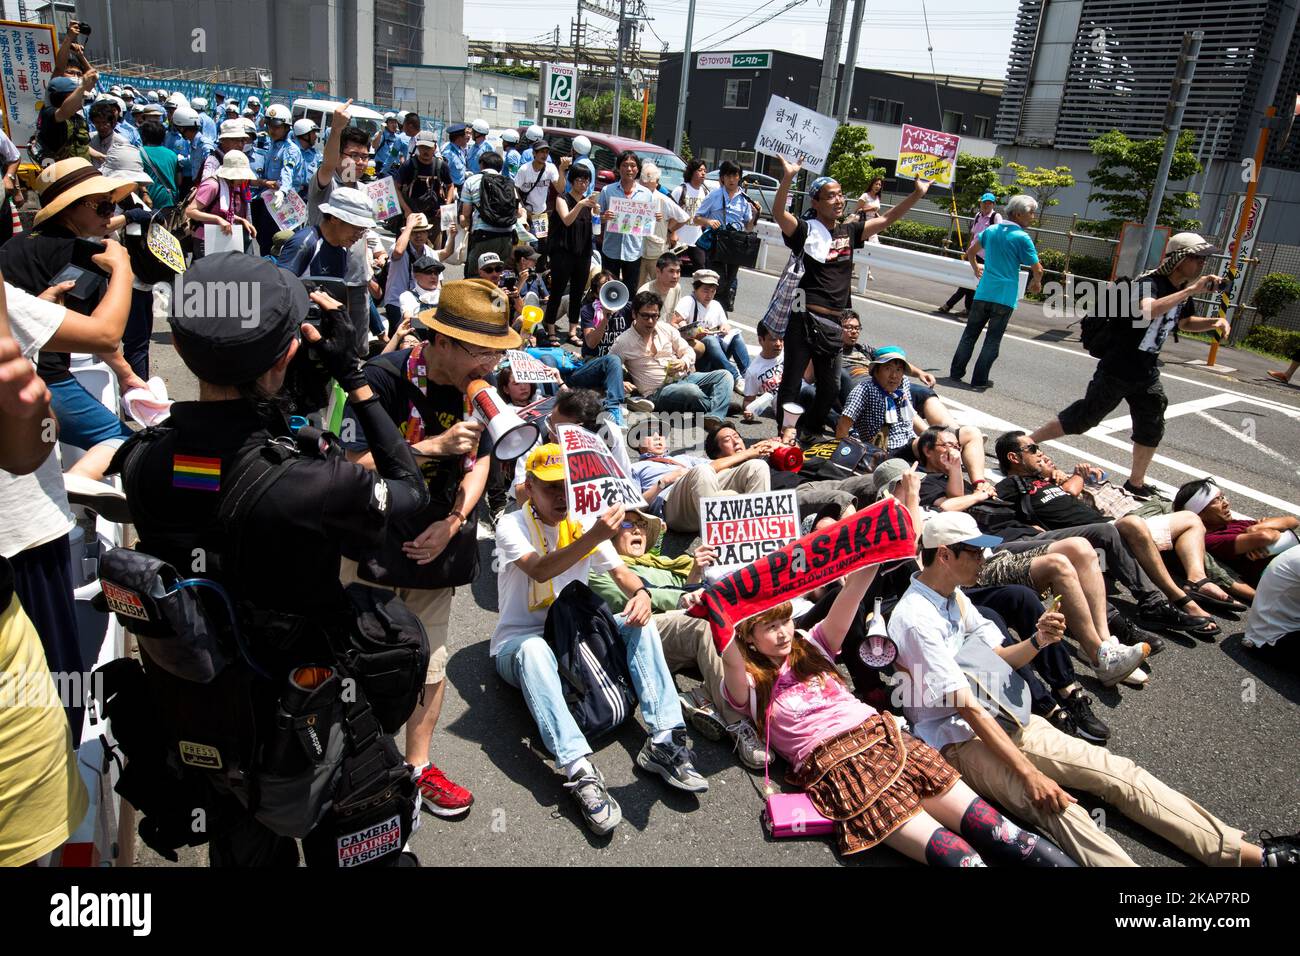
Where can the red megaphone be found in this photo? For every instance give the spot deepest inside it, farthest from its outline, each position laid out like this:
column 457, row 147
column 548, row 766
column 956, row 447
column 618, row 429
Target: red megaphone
column 787, row 458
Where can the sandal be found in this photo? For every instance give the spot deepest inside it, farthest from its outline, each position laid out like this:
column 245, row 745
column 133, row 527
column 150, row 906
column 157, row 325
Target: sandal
column 1209, row 601
column 1204, row 628
column 575, row 337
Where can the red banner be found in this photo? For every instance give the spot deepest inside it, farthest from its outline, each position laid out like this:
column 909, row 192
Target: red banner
column 876, row 535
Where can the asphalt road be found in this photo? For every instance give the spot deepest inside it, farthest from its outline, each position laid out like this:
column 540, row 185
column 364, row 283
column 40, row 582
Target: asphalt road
column 1213, row 721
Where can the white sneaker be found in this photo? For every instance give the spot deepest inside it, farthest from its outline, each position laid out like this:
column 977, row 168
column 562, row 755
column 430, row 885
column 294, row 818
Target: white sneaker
column 1116, row 662
column 635, row 403
column 749, row 749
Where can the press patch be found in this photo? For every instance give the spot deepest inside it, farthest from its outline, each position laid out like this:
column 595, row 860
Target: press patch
column 199, row 755
column 368, row 845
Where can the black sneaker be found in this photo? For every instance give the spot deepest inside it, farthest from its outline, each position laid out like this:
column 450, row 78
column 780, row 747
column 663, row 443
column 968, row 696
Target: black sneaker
column 1141, row 492
column 1162, row 615
column 672, row 761
column 1280, row 850
column 1091, row 729
column 1063, row 721
column 1127, row 633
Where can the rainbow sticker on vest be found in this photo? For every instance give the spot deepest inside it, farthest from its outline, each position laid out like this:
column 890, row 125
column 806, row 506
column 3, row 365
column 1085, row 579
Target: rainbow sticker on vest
column 195, row 473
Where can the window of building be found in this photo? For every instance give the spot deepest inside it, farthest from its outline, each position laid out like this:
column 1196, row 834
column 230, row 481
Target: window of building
column 737, row 94
column 951, row 121
column 521, row 105
column 877, row 110
column 895, row 113
column 983, row 128
column 489, row 101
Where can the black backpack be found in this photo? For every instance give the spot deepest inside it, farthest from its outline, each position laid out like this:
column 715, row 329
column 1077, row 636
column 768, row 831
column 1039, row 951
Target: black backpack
column 1097, row 332
column 591, row 660
column 498, row 203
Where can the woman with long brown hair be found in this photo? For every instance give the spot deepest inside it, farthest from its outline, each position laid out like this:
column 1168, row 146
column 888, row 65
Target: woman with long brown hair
column 879, row 784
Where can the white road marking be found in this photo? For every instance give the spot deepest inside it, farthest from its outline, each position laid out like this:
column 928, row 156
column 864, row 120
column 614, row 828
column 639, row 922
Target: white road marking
column 1249, row 439
column 1125, row 422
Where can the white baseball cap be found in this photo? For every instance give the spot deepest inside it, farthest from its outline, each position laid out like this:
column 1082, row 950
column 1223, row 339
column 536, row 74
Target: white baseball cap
column 955, row 527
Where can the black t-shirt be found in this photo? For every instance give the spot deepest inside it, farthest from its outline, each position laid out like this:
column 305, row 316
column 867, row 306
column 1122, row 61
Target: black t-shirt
column 1135, row 349
column 417, row 181
column 31, row 260
column 308, row 256
column 1046, row 503
column 994, row 516
column 575, row 238
column 828, row 283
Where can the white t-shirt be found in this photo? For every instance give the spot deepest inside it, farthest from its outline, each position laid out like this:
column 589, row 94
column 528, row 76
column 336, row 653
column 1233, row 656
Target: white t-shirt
column 689, row 198
column 712, row 317
column 1275, row 612
column 409, row 303
column 763, row 377
column 537, row 184
column 33, row 508
column 515, row 540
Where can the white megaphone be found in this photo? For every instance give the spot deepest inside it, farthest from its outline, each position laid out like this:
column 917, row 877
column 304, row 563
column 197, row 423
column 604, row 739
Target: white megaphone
column 511, row 435
column 790, row 414
column 877, row 651
column 613, row 295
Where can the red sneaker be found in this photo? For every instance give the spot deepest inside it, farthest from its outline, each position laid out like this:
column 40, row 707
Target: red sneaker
column 440, row 796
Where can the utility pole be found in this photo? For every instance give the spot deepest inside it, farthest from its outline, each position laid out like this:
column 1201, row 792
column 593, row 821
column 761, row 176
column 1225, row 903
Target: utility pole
column 831, row 57
column 1186, row 69
column 618, row 64
column 851, row 60
column 680, row 122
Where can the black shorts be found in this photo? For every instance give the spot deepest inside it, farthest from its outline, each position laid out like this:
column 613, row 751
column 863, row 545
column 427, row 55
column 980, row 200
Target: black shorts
column 1146, row 402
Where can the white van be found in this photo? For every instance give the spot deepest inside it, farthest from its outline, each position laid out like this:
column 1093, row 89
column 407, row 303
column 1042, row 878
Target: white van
column 322, row 111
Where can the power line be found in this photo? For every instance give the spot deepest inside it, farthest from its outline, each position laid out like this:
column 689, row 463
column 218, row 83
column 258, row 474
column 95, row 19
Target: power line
column 789, row 6
column 732, row 24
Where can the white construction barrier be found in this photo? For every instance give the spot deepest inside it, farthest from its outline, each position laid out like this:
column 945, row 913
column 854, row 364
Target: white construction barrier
column 920, row 265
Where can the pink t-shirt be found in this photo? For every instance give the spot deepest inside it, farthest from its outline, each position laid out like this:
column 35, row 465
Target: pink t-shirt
column 208, row 196
column 804, row 714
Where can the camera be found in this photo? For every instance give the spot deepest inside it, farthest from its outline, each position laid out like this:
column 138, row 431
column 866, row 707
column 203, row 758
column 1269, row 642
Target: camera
column 315, row 314
column 509, row 280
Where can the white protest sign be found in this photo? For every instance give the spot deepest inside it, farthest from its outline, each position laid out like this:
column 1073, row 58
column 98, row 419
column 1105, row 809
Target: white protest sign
column 799, row 134
column 290, row 214
column 214, row 240
column 447, row 216
column 383, row 197
column 594, row 480
column 530, row 371
column 27, row 61
column 744, row 528
column 632, row 217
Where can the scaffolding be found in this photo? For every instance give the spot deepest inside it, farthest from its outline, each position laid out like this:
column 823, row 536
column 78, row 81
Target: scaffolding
column 238, row 76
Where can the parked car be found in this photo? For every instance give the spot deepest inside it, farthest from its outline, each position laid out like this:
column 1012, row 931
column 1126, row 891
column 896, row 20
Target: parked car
column 605, row 149
column 759, row 187
column 321, row 112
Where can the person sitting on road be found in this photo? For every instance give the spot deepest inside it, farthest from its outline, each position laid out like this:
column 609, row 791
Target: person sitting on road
column 763, row 378
column 879, row 784
column 541, row 550
column 1243, row 544
column 674, row 484
column 1069, row 566
column 1053, row 499
column 934, row 626
column 687, row 641
column 1273, row 626
column 706, row 321
column 662, row 366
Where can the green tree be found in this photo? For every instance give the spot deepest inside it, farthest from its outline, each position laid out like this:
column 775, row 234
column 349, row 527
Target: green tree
column 597, row 113
column 1275, row 292
column 686, row 148
column 1041, row 183
column 851, row 160
column 977, row 175
column 1123, row 181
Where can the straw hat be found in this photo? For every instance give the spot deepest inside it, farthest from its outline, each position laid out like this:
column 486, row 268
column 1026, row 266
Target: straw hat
column 69, row 180
column 473, row 311
column 235, row 168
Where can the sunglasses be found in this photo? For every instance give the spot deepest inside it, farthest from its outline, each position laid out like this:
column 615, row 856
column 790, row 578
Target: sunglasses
column 1030, row 449
column 959, row 549
column 491, row 268
column 630, row 525
column 103, row 207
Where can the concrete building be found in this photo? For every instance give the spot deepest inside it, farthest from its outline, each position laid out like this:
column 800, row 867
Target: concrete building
column 344, row 48
column 728, row 97
column 1080, row 68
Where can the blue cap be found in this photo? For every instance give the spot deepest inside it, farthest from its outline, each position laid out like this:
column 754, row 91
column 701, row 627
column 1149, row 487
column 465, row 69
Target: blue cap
column 886, row 354
column 62, row 84
column 455, row 129
column 816, row 186
column 988, row 197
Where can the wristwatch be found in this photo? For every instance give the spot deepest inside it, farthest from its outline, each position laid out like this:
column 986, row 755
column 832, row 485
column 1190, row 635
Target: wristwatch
column 1034, row 641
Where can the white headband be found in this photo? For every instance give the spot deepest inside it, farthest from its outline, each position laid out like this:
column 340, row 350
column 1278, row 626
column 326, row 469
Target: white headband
column 1198, row 502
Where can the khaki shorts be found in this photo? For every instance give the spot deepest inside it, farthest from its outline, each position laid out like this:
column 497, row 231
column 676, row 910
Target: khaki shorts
column 1158, row 525
column 432, row 607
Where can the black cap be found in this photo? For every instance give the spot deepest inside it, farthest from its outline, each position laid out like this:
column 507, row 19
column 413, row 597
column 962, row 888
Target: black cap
column 235, row 315
column 427, row 264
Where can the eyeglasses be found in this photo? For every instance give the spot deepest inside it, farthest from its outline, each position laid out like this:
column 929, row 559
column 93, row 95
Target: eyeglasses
column 494, row 354
column 647, row 315
column 959, row 549
column 357, row 155
column 103, row 207
column 946, row 444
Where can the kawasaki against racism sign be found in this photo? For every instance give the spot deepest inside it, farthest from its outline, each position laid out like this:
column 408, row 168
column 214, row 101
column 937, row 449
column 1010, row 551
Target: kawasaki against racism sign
column 927, row 154
column 743, row 528
column 799, row 134
column 875, row 535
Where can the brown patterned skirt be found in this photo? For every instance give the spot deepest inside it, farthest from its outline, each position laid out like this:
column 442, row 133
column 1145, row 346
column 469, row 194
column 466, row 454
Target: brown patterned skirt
column 870, row 780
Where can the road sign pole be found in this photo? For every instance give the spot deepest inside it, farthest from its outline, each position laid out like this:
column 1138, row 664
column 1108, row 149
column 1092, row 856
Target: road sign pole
column 679, row 120
column 645, row 110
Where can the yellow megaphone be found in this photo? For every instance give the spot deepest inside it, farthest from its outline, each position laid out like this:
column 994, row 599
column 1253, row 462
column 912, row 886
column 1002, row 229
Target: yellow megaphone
column 530, row 317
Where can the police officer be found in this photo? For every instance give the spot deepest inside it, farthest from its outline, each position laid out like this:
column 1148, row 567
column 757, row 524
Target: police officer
column 510, row 140
column 389, row 145
column 285, row 583
column 283, row 171
column 479, row 144
column 306, row 132
column 453, row 151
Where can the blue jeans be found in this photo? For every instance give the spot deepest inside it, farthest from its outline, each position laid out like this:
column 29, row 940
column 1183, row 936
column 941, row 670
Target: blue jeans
column 707, row 392
column 603, row 374
column 527, row 662
column 83, row 420
column 139, row 328
column 715, row 357
column 996, row 317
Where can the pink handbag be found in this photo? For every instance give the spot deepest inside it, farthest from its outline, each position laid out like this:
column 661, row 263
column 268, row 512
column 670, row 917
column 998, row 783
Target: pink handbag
column 789, row 814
